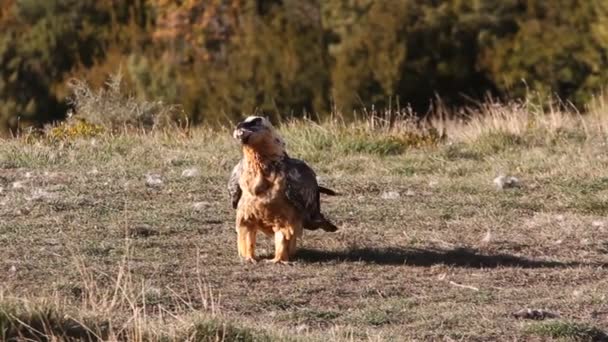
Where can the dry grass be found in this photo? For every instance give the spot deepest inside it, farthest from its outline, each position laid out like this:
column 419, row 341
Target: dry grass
column 428, row 249
column 112, row 108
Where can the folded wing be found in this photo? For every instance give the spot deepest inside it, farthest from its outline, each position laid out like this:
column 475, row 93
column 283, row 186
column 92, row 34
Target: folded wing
column 302, row 191
column 234, row 189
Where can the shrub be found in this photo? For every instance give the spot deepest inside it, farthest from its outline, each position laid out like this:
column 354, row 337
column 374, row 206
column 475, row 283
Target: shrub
column 74, row 129
column 114, row 110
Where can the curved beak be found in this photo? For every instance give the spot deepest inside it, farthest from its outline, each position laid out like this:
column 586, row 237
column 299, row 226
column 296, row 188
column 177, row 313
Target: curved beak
column 241, row 133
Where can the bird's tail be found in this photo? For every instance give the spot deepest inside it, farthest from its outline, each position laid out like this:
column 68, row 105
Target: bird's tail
column 323, row 223
column 327, row 191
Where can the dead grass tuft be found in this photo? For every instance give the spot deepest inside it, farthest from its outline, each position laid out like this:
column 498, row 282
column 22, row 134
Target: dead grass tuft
column 113, row 109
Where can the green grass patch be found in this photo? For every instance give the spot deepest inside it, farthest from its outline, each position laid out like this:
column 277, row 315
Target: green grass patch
column 214, row 330
column 497, row 141
column 568, row 331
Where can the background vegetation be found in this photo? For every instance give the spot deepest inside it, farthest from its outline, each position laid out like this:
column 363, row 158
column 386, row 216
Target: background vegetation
column 221, row 58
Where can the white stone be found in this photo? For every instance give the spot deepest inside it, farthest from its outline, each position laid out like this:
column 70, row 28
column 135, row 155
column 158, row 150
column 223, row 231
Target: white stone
column 18, row 185
column 191, row 172
column 506, row 182
column 154, row 180
column 40, row 194
column 488, row 237
column 391, row 195
column 200, row 206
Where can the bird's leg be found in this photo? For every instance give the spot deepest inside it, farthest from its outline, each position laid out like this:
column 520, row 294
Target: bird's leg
column 281, row 248
column 240, row 242
column 293, row 242
column 246, row 243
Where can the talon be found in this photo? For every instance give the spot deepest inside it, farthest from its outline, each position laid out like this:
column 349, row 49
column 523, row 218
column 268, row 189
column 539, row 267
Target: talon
column 250, row 260
column 279, row 261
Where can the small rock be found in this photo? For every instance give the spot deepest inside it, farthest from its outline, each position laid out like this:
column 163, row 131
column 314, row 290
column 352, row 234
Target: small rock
column 433, row 183
column 191, row 172
column 596, row 224
column 93, row 172
column 154, row 180
column 301, row 328
column 200, row 206
column 390, row 195
column 488, row 237
column 534, row 314
column 410, row 193
column 23, row 211
column 560, row 217
column 40, row 194
column 12, row 270
column 142, row 231
column 28, row 175
column 506, row 182
column 18, row 185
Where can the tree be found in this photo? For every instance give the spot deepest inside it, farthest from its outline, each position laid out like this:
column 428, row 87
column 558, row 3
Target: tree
column 552, row 51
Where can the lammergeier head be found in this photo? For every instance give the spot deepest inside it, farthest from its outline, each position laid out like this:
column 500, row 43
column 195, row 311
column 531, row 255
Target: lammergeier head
column 258, row 133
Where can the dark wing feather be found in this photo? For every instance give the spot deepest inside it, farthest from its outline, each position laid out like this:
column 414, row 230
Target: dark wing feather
column 234, row 189
column 302, row 191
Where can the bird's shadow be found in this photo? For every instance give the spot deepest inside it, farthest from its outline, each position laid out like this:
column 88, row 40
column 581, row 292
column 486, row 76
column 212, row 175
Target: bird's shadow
column 458, row 257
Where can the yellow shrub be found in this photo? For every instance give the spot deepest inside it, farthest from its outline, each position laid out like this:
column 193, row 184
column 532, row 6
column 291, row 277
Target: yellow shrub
column 72, row 130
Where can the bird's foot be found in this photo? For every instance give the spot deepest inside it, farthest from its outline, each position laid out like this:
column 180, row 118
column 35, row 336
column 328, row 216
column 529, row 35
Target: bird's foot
column 277, row 261
column 249, row 260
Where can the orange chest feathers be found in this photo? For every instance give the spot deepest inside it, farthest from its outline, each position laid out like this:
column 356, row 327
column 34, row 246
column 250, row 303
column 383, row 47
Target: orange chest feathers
column 265, row 186
column 264, row 202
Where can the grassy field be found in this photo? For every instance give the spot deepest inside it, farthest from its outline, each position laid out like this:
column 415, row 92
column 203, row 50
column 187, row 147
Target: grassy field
column 131, row 237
